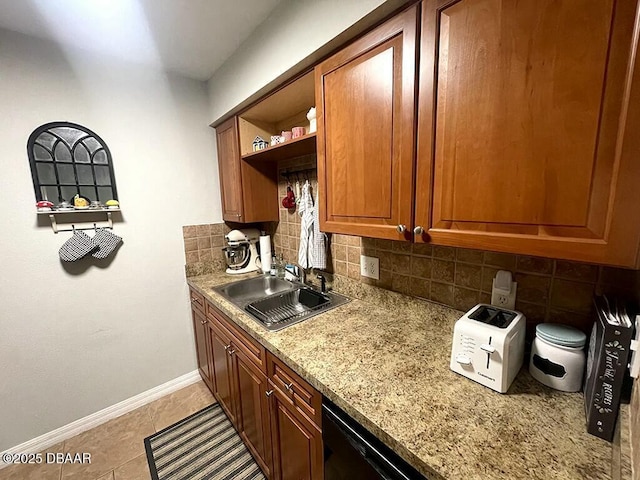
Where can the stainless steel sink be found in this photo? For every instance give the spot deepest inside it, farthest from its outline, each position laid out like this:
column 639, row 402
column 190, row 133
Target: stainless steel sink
column 246, row 291
column 277, row 303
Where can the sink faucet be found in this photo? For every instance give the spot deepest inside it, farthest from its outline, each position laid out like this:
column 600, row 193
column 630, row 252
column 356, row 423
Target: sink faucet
column 299, row 273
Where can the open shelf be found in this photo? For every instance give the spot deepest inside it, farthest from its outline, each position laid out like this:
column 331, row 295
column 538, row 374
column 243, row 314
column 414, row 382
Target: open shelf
column 80, row 211
column 82, row 219
column 280, row 111
column 296, row 147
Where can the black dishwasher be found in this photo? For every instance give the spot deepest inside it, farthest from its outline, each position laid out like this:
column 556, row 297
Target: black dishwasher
column 350, row 451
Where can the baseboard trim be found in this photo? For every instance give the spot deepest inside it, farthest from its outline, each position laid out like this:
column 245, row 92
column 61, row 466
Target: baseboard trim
column 72, row 429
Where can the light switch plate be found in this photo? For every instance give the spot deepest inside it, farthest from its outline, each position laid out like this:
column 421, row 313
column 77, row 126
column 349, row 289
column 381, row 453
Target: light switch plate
column 370, row 267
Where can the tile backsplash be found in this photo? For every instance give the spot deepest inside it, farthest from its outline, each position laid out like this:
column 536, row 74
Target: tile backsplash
column 548, row 290
column 203, row 248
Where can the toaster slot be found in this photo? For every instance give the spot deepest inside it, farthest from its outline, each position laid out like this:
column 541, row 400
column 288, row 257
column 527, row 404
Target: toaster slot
column 493, row 316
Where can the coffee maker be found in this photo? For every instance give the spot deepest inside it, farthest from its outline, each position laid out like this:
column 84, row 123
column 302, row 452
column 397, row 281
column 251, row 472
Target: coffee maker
column 241, row 253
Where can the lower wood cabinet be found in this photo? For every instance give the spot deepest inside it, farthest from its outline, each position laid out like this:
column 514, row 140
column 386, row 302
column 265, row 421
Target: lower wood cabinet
column 276, row 413
column 203, row 347
column 253, row 422
column 297, row 441
column 223, row 387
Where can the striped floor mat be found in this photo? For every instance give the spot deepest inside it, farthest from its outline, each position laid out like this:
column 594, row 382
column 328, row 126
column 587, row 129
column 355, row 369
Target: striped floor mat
column 203, row 446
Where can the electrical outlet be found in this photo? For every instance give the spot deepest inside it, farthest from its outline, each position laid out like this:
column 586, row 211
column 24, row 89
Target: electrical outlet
column 370, row 267
column 500, row 299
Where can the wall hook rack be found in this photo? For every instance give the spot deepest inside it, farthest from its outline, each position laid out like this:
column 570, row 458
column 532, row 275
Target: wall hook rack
column 300, row 171
column 72, row 220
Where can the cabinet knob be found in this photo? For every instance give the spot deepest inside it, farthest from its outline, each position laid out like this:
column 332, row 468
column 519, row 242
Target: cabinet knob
column 418, row 230
column 227, row 347
column 202, row 322
column 401, row 228
column 268, row 394
column 194, row 300
column 289, row 387
column 231, row 352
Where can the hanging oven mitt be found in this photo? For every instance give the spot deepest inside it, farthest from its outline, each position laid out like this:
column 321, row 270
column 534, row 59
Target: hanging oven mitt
column 78, row 246
column 106, row 241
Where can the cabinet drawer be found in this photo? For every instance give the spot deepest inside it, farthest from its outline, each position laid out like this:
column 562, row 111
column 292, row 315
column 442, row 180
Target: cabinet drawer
column 250, row 347
column 306, row 398
column 197, row 300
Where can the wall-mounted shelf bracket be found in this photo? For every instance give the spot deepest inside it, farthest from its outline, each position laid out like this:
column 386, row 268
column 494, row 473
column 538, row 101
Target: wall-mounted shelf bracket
column 73, row 220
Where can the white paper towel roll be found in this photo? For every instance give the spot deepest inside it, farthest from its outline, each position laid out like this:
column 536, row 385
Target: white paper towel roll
column 265, row 253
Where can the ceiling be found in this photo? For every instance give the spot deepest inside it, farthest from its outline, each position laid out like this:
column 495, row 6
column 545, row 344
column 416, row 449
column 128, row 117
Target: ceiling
column 191, row 37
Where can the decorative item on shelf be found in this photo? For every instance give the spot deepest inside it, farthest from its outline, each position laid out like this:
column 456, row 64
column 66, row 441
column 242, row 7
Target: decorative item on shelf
column 113, row 204
column 64, row 207
column 276, row 140
column 80, row 202
column 298, row 132
column 95, row 205
column 259, row 143
column 311, row 116
column 44, row 206
column 287, row 135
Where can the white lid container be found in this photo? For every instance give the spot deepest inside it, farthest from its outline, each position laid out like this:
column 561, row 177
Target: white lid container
column 557, row 356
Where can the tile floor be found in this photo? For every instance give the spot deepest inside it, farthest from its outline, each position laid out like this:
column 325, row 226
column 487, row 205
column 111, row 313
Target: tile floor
column 117, row 447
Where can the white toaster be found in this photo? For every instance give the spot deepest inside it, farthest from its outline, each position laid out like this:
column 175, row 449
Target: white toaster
column 488, row 346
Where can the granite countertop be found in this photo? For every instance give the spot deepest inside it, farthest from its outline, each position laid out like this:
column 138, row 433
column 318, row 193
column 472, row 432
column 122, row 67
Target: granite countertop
column 384, row 359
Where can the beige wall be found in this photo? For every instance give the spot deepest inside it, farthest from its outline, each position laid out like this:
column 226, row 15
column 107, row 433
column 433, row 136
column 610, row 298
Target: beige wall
column 76, row 340
column 292, row 32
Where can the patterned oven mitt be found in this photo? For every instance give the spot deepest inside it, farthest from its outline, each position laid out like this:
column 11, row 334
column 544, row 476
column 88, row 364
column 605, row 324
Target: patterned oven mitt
column 107, row 243
column 78, row 246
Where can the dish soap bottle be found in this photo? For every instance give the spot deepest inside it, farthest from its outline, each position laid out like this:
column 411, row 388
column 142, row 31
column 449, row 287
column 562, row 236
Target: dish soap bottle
column 281, row 266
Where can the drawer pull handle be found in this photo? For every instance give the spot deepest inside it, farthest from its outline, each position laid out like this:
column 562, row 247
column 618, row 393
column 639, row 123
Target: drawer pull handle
column 227, row 347
column 289, row 387
column 195, row 300
column 268, row 394
column 202, row 322
column 231, row 352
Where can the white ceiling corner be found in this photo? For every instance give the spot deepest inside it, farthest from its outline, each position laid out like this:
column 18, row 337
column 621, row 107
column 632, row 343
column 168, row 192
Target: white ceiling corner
column 190, row 37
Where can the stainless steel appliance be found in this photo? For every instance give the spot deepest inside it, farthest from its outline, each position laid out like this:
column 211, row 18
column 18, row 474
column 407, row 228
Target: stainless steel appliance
column 488, row 346
column 350, row 451
column 241, row 253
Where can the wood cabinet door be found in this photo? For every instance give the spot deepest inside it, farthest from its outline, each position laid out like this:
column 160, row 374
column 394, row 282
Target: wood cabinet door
column 201, row 333
column 223, row 386
column 229, row 167
column 365, row 102
column 253, row 410
column 297, row 442
column 529, row 115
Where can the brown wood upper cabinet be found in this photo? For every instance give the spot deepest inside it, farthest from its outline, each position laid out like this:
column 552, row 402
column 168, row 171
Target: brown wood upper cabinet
column 365, row 102
column 249, row 189
column 529, row 128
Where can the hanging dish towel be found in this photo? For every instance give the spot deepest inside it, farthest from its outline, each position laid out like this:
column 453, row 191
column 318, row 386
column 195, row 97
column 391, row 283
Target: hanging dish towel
column 107, row 243
column 78, row 246
column 319, row 241
column 305, row 210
